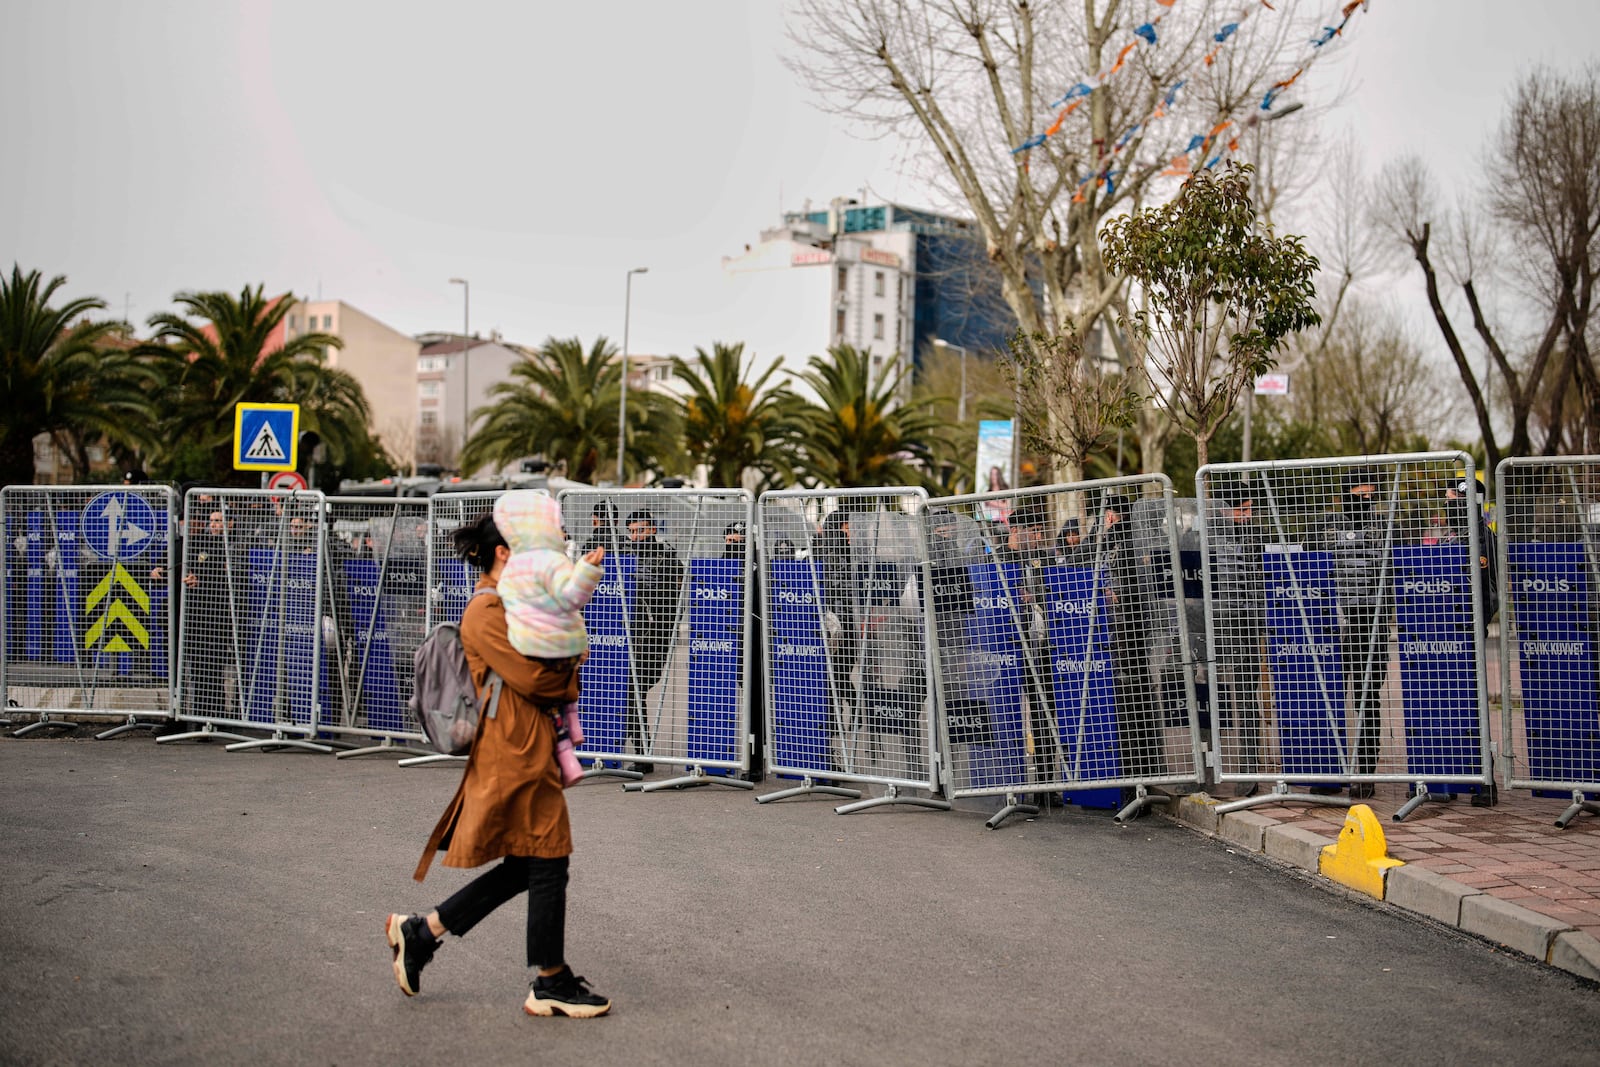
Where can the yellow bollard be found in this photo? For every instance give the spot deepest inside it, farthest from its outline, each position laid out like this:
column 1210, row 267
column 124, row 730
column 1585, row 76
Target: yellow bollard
column 1361, row 855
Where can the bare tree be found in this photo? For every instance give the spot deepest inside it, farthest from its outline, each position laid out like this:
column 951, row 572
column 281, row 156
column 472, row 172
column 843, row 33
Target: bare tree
column 1378, row 391
column 1542, row 209
column 965, row 82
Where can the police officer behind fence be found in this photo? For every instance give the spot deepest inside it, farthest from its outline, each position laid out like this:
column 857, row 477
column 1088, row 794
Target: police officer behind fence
column 652, row 622
column 1027, row 549
column 1132, row 624
column 734, row 541
column 1238, row 594
column 1358, row 538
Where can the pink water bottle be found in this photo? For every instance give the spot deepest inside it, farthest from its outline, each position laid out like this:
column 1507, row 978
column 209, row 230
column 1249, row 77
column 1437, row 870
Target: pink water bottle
column 571, row 769
column 569, row 715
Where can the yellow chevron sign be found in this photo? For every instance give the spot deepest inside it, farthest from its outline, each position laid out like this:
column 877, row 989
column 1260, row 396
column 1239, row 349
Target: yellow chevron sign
column 117, row 611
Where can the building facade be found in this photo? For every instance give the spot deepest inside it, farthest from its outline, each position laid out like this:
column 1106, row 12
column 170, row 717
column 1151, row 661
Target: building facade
column 885, row 279
column 381, row 358
column 454, row 376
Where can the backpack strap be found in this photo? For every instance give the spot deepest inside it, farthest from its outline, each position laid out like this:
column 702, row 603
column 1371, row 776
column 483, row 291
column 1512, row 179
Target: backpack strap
column 491, row 705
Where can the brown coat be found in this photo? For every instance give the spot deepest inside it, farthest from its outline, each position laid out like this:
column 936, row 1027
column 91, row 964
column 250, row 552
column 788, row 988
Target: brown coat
column 510, row 801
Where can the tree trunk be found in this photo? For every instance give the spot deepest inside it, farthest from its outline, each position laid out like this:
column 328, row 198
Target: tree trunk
column 16, row 460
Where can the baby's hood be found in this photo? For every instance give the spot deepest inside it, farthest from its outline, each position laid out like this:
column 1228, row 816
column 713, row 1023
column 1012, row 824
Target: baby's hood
column 529, row 519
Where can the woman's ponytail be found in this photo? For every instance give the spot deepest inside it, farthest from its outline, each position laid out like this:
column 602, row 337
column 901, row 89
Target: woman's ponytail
column 475, row 543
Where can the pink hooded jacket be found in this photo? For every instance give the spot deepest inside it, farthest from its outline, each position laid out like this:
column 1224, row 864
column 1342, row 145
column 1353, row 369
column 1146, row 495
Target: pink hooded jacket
column 543, row 591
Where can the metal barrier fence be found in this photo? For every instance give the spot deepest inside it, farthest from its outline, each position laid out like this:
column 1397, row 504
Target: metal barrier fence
column 252, row 619
column 1346, row 611
column 1549, row 555
column 1060, row 642
column 375, row 573
column 846, row 642
column 668, row 674
column 87, row 604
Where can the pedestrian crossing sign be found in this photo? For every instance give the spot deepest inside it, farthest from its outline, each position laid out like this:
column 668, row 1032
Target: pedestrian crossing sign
column 265, row 437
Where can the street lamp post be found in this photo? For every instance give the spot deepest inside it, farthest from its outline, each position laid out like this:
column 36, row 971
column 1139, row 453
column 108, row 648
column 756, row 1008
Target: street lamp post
column 961, row 404
column 622, row 404
column 466, row 350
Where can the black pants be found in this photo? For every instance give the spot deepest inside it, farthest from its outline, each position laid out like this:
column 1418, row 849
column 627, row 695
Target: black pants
column 1364, row 645
column 545, row 882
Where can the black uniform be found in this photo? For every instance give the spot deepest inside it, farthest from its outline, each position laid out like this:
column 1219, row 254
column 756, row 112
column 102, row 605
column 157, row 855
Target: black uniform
column 652, row 622
column 1358, row 540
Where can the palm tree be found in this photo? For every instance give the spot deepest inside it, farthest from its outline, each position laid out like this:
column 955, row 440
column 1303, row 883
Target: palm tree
column 58, row 377
column 224, row 350
column 732, row 425
column 861, row 433
column 562, row 402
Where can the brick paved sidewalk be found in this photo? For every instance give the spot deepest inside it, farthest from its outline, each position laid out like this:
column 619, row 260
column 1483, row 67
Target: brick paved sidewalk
column 1513, row 851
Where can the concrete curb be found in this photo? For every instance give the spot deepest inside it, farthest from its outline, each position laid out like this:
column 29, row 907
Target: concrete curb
column 1408, row 887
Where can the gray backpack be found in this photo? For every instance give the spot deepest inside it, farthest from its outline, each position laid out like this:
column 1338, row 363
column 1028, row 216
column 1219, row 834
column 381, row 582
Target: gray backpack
column 443, row 699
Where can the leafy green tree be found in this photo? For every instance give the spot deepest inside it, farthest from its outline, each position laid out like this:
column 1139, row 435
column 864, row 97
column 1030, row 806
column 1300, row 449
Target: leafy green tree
column 221, row 351
column 1220, row 296
column 59, row 377
column 561, row 402
column 733, row 425
column 860, row 432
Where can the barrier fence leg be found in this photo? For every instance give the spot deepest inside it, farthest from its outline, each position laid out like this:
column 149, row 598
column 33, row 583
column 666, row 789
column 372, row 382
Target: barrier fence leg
column 279, row 739
column 133, row 723
column 810, row 785
column 1282, row 794
column 893, row 797
column 423, row 761
column 696, row 777
column 387, row 747
column 207, row 732
column 44, row 722
column 1014, row 806
column 1142, row 798
column 1580, row 803
column 598, row 769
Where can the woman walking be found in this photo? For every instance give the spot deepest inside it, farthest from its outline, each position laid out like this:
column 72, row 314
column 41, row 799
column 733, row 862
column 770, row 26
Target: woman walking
column 510, row 805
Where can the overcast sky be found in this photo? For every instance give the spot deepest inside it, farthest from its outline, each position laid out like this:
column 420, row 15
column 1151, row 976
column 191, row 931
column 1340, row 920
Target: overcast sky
column 370, row 151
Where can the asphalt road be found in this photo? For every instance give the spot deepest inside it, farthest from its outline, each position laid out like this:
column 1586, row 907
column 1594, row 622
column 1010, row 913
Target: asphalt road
column 181, row 904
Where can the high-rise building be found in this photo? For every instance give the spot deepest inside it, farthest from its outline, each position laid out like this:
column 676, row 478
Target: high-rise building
column 886, row 278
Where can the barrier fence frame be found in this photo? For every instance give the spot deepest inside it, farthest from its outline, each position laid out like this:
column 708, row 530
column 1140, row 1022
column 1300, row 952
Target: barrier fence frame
column 364, row 648
column 1402, row 481
column 288, row 507
column 119, row 518
column 1534, row 601
column 1040, row 655
column 687, row 520
column 456, row 509
column 876, row 502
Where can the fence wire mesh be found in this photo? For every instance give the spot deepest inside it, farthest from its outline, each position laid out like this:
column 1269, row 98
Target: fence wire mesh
column 846, row 643
column 252, row 619
column 87, row 600
column 1059, row 639
column 667, row 678
column 1548, row 519
column 1346, row 604
column 376, row 582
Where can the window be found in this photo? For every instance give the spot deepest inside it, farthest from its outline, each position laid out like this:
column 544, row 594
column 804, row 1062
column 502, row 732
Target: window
column 844, row 278
column 877, row 327
column 428, row 388
column 877, row 283
column 838, row 324
column 430, row 418
column 327, row 322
